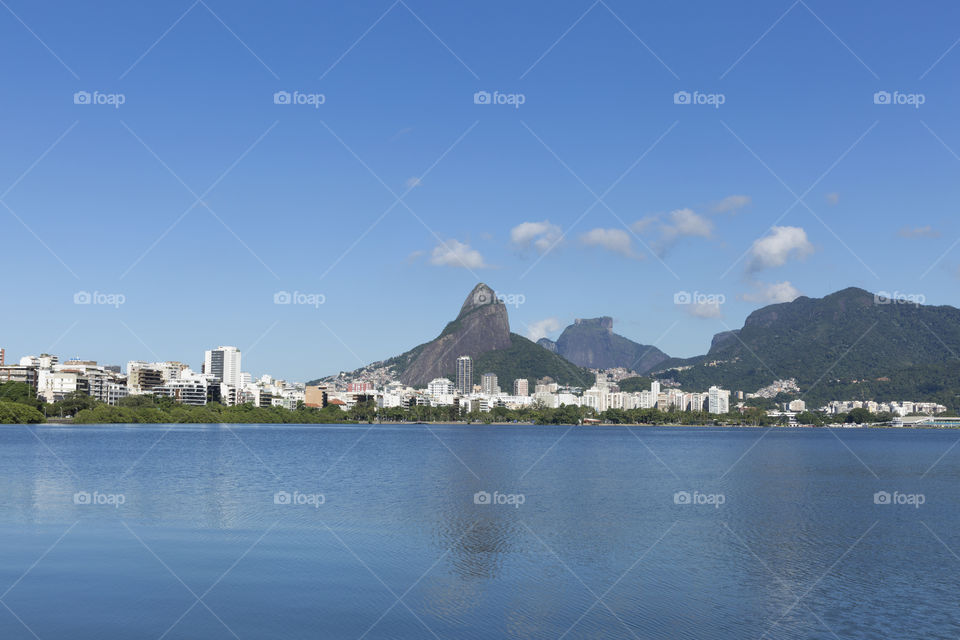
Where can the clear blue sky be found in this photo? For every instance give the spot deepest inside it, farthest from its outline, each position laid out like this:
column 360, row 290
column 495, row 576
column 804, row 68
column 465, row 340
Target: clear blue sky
column 300, row 195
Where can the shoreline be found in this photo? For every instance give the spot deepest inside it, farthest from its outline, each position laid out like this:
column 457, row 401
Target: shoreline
column 60, row 422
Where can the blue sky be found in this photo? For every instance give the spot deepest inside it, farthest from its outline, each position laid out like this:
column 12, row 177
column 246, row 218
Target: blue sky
column 199, row 198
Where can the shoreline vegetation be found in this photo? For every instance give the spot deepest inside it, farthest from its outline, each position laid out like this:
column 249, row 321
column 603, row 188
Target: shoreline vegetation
column 19, row 406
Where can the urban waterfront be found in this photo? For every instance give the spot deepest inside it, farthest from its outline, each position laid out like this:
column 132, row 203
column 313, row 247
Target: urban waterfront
column 454, row 531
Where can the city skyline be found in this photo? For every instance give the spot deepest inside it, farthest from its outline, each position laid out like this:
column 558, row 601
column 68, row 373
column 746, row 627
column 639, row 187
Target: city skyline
column 219, row 195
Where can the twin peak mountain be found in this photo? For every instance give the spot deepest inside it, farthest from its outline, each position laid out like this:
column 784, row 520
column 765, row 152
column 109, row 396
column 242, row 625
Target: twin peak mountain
column 482, row 331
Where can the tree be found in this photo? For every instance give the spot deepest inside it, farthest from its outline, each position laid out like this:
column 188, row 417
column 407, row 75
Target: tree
column 859, row 416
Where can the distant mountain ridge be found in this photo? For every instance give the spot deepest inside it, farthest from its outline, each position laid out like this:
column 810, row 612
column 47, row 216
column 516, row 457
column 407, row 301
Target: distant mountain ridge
column 848, row 342
column 591, row 343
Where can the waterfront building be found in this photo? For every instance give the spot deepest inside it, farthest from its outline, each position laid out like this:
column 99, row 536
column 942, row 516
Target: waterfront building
column 489, row 384
column 224, row 364
column 521, row 387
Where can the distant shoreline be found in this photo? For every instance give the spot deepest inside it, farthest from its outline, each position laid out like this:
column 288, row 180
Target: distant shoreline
column 60, row 422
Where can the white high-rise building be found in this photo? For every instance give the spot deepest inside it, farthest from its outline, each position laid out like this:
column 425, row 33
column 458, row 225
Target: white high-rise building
column 488, row 383
column 465, row 375
column 655, row 388
column 224, row 364
column 719, row 400
column 521, row 387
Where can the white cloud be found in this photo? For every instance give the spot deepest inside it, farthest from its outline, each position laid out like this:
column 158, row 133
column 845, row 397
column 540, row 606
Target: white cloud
column 679, row 223
column 731, row 204
column 704, row 309
column 833, row 198
column 540, row 328
column 412, row 182
column 454, row 253
column 773, row 293
column 643, row 224
column 616, row 240
column 542, row 235
column 685, row 222
column 782, row 244
column 918, row 232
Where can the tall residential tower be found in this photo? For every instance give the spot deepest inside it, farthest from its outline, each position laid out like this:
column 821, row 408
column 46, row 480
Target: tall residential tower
column 465, row 375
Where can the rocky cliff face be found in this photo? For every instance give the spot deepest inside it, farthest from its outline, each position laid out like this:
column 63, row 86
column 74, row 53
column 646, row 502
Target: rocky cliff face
column 481, row 326
column 591, row 343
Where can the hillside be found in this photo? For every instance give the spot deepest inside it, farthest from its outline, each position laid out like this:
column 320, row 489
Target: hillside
column 847, row 340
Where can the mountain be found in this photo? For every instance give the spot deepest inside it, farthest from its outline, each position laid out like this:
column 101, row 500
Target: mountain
column 847, row 342
column 592, row 343
column 482, row 325
column 481, row 330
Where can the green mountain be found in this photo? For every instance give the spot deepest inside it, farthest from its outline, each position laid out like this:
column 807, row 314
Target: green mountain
column 592, row 343
column 846, row 345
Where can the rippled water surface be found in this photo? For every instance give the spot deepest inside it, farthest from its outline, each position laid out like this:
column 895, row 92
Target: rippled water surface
column 382, row 536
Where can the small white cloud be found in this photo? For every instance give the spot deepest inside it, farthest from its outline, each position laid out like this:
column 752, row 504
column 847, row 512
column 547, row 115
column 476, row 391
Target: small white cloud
column 772, row 293
column 782, row 244
column 685, row 222
column 454, row 253
column 412, row 182
column 732, row 204
column 543, row 236
column 414, row 256
column 643, row 224
column 679, row 223
column 616, row 240
column 541, row 328
column 833, row 198
column 704, row 309
column 918, row 232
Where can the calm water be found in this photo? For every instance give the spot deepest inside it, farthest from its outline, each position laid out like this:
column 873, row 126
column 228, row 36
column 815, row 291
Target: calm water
column 599, row 547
